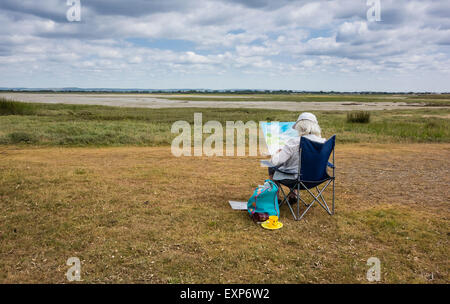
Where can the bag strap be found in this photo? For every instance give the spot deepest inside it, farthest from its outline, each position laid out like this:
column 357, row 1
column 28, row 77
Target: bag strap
column 271, row 182
column 275, row 202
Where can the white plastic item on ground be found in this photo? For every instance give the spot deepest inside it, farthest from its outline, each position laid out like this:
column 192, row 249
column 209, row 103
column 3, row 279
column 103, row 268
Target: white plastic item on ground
column 235, row 205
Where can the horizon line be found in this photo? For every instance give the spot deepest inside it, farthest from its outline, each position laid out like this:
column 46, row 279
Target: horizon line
column 203, row 90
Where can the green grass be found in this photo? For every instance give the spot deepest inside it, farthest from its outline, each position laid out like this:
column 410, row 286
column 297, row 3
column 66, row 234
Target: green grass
column 8, row 107
column 87, row 125
column 358, row 117
column 431, row 96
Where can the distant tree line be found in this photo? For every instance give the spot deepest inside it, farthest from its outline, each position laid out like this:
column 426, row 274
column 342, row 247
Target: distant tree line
column 207, row 91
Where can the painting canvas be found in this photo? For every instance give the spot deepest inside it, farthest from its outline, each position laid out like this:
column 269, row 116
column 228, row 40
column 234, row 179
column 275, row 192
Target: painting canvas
column 276, row 134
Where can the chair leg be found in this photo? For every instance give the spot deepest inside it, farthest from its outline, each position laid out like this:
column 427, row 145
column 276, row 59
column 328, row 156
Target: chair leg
column 316, row 198
column 327, row 209
column 285, row 200
column 284, row 196
column 292, row 211
column 332, row 208
column 298, row 200
column 304, row 212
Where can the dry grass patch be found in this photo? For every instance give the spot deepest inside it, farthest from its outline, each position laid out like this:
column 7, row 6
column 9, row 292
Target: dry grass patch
column 141, row 215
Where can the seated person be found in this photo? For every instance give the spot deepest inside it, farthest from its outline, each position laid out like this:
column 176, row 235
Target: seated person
column 286, row 159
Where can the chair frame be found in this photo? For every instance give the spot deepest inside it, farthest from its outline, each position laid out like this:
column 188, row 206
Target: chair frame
column 316, row 198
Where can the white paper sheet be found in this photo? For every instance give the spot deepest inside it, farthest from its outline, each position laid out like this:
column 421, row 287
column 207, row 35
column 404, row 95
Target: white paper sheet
column 238, row 205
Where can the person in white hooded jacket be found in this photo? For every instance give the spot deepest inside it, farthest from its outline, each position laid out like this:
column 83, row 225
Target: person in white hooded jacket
column 286, row 159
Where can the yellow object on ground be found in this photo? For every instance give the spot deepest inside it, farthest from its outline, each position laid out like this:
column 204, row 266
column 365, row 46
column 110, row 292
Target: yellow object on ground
column 272, row 223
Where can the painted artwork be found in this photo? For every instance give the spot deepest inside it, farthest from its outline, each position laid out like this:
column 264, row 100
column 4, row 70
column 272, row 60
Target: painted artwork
column 277, row 134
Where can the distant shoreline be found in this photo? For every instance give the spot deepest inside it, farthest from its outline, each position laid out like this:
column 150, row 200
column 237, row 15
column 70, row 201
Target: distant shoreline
column 206, row 91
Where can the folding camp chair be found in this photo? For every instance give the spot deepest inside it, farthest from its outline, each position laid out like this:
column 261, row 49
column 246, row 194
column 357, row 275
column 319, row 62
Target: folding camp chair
column 312, row 172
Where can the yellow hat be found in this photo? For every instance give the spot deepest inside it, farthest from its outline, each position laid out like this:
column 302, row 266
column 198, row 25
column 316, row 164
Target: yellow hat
column 272, row 223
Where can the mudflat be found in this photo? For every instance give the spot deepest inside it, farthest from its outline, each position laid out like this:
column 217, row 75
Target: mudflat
column 169, row 101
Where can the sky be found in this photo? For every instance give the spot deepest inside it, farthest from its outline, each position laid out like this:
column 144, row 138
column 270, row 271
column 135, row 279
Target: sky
column 227, row 44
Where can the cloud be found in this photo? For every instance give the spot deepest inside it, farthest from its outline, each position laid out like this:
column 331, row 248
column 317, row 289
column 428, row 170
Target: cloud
column 47, row 9
column 228, row 38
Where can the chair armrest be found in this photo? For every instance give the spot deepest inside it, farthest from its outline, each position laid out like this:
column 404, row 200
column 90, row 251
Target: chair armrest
column 331, row 165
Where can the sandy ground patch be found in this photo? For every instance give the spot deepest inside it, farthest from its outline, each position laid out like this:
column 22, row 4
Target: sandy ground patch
column 157, row 101
column 445, row 116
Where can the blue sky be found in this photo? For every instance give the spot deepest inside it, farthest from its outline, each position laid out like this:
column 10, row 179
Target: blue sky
column 227, row 44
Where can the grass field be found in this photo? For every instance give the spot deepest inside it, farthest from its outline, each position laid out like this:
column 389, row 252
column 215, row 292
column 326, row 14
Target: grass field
column 141, row 215
column 87, row 125
column 100, row 183
column 428, row 99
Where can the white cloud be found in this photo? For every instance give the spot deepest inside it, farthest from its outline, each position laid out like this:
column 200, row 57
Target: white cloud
column 282, row 39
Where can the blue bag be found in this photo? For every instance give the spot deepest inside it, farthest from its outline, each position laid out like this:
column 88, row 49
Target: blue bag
column 264, row 200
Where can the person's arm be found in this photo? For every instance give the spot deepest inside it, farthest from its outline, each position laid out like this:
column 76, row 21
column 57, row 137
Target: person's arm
column 281, row 156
